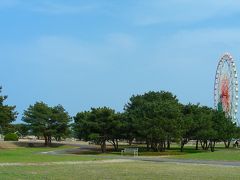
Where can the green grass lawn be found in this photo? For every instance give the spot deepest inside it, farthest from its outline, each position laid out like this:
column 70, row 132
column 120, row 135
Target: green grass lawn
column 220, row 154
column 126, row 170
column 26, row 154
column 122, row 170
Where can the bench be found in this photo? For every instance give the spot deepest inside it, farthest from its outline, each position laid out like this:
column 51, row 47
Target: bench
column 130, row 150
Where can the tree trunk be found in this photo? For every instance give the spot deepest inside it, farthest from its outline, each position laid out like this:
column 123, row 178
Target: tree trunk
column 212, row 146
column 117, row 143
column 164, row 145
column 49, row 138
column 168, row 144
column 152, row 145
column 46, row 140
column 197, row 145
column 160, row 146
column 147, row 141
column 227, row 144
column 114, row 144
column 155, row 146
column 207, row 145
column 103, row 146
column 182, row 145
column 202, row 144
column 130, row 142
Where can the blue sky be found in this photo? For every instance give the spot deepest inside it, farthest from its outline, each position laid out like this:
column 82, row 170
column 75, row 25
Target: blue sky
column 84, row 54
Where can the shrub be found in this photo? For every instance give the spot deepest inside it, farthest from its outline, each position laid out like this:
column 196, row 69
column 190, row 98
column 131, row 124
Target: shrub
column 11, row 137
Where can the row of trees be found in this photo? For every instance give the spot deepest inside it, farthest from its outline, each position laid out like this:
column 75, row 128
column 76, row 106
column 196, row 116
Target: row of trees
column 40, row 120
column 157, row 119
column 154, row 118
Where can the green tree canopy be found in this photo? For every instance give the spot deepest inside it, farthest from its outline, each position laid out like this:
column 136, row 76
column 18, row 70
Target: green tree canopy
column 97, row 125
column 60, row 119
column 155, row 117
column 47, row 121
column 7, row 114
column 21, row 129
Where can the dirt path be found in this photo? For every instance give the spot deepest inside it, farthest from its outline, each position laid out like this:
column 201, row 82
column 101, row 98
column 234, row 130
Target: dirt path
column 67, row 162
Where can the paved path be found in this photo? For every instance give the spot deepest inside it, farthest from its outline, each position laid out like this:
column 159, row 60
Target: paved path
column 142, row 158
column 67, row 162
column 190, row 161
column 78, row 149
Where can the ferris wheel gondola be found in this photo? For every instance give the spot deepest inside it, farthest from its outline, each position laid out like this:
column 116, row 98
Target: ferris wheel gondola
column 226, row 87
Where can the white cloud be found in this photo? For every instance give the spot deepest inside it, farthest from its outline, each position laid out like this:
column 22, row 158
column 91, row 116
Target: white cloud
column 206, row 38
column 198, row 47
column 71, row 51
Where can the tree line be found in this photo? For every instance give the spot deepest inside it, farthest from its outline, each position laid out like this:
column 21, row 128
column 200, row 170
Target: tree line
column 155, row 118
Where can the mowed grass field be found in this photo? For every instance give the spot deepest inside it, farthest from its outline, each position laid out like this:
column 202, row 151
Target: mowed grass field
column 124, row 170
column 220, row 154
column 31, row 164
column 34, row 155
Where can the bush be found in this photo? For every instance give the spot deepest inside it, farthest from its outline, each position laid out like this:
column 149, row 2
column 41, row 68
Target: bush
column 11, row 137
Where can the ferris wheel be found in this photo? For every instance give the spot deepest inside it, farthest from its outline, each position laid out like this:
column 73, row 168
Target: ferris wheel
column 226, row 87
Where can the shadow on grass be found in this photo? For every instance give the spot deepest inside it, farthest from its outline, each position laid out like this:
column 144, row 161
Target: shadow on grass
column 142, row 151
column 88, row 153
column 36, row 144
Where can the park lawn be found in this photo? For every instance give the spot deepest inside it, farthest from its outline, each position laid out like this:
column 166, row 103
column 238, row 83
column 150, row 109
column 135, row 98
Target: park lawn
column 220, row 154
column 27, row 154
column 124, row 170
